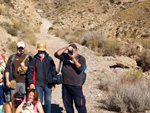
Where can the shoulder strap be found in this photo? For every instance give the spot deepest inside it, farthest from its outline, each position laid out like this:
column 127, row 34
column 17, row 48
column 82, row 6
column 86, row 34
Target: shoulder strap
column 59, row 66
column 13, row 58
column 34, row 72
column 26, row 56
column 84, row 68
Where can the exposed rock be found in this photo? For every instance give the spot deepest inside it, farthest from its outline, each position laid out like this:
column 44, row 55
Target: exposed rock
column 126, row 62
column 25, row 11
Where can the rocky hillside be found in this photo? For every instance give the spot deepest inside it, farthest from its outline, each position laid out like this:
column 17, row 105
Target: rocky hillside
column 113, row 18
column 18, row 21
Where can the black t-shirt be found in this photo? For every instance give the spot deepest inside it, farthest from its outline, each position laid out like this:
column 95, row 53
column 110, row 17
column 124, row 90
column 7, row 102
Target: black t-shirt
column 71, row 74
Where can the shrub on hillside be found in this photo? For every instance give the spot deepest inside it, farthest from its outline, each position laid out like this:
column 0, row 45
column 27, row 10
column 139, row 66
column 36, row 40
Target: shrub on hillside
column 11, row 29
column 129, row 97
column 1, row 10
column 144, row 60
column 30, row 37
column 112, row 47
column 93, row 40
column 129, row 94
column 145, row 42
column 12, row 46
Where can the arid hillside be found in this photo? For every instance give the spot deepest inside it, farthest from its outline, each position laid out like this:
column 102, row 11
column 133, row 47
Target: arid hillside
column 112, row 18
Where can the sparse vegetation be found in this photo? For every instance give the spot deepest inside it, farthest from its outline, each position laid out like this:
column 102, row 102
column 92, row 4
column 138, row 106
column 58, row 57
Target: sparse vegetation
column 30, row 37
column 12, row 46
column 129, row 94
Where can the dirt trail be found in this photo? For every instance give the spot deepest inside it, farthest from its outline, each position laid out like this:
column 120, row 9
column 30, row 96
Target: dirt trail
column 94, row 66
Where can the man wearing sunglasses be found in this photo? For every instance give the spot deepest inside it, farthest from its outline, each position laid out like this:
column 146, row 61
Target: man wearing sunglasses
column 11, row 71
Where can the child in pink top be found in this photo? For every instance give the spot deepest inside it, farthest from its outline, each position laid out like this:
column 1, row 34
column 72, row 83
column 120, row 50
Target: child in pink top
column 31, row 104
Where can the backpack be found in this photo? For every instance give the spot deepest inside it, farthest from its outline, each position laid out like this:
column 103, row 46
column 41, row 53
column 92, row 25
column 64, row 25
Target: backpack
column 84, row 75
column 7, row 96
column 58, row 78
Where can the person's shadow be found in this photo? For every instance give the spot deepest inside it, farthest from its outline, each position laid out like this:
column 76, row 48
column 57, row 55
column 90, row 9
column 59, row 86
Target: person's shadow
column 56, row 109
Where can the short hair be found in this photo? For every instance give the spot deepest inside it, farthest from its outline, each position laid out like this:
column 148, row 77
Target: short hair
column 74, row 46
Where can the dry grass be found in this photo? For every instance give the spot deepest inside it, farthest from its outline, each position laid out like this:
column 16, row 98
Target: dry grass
column 129, row 94
column 138, row 12
column 28, row 36
column 1, row 9
column 12, row 46
column 70, row 35
column 144, row 60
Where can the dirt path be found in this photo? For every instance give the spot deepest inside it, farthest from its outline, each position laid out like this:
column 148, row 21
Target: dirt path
column 95, row 65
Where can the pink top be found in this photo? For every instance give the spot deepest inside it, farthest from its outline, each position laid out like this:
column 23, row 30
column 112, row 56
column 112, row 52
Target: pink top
column 35, row 107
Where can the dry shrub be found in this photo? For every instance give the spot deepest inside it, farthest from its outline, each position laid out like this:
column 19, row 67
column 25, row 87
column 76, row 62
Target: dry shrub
column 70, row 35
column 30, row 37
column 112, row 47
column 1, row 9
column 129, row 97
column 93, row 40
column 12, row 46
column 129, row 94
column 145, row 42
column 11, row 29
column 144, row 60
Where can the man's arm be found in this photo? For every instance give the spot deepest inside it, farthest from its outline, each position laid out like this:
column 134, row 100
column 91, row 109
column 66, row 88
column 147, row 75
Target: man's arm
column 7, row 79
column 7, row 69
column 59, row 53
column 30, row 73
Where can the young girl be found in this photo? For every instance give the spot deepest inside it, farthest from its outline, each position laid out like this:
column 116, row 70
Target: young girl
column 32, row 97
column 16, row 100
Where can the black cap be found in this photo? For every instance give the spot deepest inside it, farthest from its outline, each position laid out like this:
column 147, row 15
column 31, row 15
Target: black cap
column 73, row 45
column 19, row 95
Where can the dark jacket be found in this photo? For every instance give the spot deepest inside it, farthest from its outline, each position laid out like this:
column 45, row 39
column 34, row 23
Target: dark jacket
column 71, row 74
column 44, row 70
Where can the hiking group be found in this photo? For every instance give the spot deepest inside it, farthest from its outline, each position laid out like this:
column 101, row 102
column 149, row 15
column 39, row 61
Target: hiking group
column 26, row 81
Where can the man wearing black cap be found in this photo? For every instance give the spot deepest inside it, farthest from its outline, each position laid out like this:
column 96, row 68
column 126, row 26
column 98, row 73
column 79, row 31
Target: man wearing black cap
column 73, row 65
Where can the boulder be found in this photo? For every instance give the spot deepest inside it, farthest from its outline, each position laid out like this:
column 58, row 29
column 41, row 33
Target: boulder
column 126, row 62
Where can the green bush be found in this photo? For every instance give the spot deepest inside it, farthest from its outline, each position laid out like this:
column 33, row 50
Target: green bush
column 112, row 47
column 12, row 31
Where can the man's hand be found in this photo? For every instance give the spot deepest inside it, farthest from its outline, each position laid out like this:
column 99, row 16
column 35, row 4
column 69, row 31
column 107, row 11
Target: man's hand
column 8, row 84
column 1, row 78
column 32, row 86
column 22, row 64
column 53, row 87
column 75, row 54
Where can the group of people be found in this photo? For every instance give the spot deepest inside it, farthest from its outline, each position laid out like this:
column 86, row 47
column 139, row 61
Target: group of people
column 26, row 81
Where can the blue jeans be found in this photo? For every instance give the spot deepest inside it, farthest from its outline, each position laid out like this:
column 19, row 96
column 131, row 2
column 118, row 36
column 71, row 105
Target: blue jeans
column 46, row 90
column 1, row 95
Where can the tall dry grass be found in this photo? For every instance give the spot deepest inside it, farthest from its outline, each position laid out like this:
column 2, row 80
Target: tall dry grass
column 128, row 92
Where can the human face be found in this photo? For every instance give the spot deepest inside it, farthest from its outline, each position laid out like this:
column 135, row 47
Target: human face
column 31, row 97
column 20, row 50
column 41, row 52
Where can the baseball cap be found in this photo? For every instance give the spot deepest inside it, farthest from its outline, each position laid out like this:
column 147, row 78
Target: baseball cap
column 20, row 44
column 19, row 95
